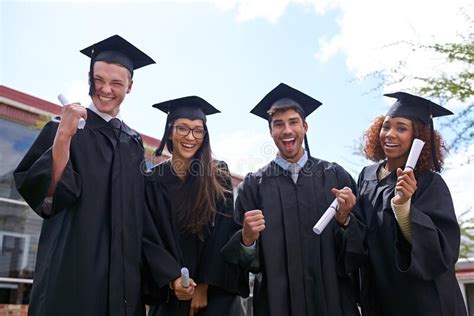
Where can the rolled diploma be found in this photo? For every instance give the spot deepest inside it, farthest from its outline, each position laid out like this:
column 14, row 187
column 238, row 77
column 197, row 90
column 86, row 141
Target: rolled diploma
column 65, row 101
column 185, row 277
column 326, row 218
column 413, row 156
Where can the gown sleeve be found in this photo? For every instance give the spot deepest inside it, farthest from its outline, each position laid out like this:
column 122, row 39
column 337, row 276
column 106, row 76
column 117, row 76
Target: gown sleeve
column 247, row 199
column 435, row 231
column 351, row 252
column 33, row 176
column 162, row 265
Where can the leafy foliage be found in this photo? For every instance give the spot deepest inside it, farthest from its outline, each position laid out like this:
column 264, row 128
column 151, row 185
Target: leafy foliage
column 457, row 87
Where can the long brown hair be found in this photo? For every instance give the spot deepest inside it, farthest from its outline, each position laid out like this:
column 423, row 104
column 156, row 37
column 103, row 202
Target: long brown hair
column 204, row 187
column 373, row 149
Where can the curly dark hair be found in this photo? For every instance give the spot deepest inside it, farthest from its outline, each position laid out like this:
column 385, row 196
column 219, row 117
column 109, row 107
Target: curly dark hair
column 373, row 149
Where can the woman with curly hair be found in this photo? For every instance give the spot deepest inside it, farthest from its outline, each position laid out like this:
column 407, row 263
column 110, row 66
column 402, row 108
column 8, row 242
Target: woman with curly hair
column 189, row 199
column 412, row 233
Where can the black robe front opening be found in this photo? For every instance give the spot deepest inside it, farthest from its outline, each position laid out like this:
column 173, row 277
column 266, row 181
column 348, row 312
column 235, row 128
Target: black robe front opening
column 89, row 252
column 416, row 278
column 299, row 272
column 201, row 257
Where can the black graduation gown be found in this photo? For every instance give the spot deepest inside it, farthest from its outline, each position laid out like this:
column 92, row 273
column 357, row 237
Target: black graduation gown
column 89, row 252
column 402, row 278
column 202, row 258
column 300, row 272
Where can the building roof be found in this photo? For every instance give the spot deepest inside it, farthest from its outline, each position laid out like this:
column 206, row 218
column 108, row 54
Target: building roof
column 24, row 102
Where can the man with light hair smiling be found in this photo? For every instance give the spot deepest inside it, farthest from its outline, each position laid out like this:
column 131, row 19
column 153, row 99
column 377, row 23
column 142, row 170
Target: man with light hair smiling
column 87, row 186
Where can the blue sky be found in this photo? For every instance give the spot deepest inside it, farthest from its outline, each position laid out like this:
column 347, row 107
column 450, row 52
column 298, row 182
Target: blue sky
column 232, row 52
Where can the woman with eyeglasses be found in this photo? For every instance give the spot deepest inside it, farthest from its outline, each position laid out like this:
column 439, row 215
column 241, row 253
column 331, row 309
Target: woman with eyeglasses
column 190, row 203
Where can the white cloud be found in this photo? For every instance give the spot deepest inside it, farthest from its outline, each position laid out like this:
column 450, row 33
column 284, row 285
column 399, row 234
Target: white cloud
column 328, row 48
column 244, row 151
column 378, row 35
column 271, row 10
column 373, row 34
column 224, row 4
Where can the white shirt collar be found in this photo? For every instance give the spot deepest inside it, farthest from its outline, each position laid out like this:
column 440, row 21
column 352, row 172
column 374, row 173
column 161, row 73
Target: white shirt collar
column 103, row 115
column 285, row 163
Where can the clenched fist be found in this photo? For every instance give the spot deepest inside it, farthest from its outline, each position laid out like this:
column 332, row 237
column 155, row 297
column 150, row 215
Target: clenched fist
column 254, row 223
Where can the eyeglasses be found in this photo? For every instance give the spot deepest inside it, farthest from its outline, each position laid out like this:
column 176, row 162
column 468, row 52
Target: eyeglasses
column 182, row 130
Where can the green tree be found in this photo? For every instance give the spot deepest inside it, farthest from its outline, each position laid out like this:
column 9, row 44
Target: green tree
column 457, row 87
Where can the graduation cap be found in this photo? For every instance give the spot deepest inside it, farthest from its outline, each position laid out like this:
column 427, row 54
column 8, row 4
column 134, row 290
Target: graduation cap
column 418, row 109
column 116, row 50
column 284, row 95
column 191, row 107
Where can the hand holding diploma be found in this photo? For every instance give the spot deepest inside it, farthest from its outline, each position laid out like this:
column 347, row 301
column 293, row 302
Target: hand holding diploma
column 406, row 181
column 184, row 286
column 339, row 208
column 71, row 115
column 82, row 112
column 405, row 187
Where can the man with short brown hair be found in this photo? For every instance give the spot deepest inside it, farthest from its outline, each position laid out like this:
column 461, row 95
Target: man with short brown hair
column 298, row 272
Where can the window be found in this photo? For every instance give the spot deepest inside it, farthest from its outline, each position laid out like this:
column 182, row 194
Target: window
column 19, row 225
column 469, row 288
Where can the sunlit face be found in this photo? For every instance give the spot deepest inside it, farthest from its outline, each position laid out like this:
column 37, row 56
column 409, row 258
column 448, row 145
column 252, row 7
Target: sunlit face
column 396, row 137
column 112, row 83
column 288, row 130
column 186, row 146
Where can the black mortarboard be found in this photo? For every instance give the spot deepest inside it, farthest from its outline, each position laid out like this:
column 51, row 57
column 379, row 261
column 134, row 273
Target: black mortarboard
column 417, row 108
column 414, row 107
column 285, row 95
column 191, row 107
column 115, row 50
column 306, row 103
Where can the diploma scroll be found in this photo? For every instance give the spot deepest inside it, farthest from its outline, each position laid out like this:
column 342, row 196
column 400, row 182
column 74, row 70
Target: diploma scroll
column 185, row 277
column 413, row 156
column 326, row 218
column 65, row 101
